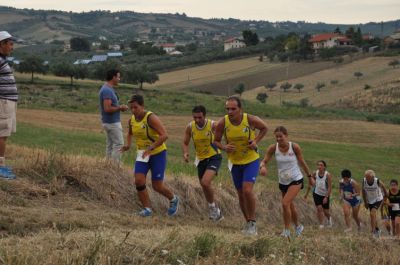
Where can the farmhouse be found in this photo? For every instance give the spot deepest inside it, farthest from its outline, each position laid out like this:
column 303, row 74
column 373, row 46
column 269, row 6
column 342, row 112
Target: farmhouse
column 329, row 40
column 233, row 43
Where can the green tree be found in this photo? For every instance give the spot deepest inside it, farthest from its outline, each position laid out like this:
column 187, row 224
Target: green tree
column 262, row 97
column 70, row 70
column 250, row 37
column 140, row 75
column 270, row 85
column 286, row 86
column 79, row 44
column 240, row 89
column 319, row 85
column 32, row 64
column 337, row 31
column 299, row 87
column 100, row 70
column 358, row 75
column 357, row 37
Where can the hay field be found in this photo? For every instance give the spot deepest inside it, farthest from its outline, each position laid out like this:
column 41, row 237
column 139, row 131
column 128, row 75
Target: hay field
column 375, row 73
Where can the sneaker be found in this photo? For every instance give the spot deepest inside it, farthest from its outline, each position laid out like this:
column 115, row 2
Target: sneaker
column 6, row 173
column 330, row 223
column 145, row 212
column 321, row 226
column 377, row 233
column 173, row 206
column 299, row 229
column 251, row 229
column 285, row 233
column 245, row 228
column 215, row 214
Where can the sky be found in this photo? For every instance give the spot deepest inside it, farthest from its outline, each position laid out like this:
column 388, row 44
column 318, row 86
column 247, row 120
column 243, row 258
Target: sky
column 328, row 11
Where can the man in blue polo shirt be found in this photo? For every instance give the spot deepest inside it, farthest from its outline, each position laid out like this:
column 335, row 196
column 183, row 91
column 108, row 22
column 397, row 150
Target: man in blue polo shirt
column 110, row 115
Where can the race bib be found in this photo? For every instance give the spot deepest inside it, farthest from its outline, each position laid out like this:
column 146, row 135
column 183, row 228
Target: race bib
column 395, row 207
column 230, row 165
column 139, row 156
column 348, row 195
column 285, row 176
column 196, row 161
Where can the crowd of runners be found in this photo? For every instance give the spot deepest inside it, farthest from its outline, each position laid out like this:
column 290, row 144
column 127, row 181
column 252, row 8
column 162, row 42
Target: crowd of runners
column 238, row 135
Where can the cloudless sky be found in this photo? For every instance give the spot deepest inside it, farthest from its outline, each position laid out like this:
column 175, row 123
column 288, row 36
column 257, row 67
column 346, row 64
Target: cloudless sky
column 329, row 11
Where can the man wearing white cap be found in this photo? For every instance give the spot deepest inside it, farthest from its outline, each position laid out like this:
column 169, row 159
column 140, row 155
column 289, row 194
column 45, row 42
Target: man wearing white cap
column 8, row 101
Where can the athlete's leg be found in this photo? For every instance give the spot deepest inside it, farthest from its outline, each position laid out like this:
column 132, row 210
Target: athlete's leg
column 140, row 183
column 356, row 216
column 249, row 200
column 205, row 183
column 346, row 213
column 320, row 214
column 289, row 211
column 374, row 222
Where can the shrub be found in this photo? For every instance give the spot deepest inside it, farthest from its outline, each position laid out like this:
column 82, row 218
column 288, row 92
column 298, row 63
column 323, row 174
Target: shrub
column 366, row 86
column 262, row 97
column 358, row 75
column 299, row 87
column 285, row 86
column 319, row 85
column 334, row 82
column 203, row 245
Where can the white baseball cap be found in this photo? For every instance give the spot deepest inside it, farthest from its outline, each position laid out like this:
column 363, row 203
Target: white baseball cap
column 5, row 35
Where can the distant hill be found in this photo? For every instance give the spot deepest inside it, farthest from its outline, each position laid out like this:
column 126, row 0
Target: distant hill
column 47, row 25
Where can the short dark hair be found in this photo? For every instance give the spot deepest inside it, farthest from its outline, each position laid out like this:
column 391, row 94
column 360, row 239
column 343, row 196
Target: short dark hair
column 394, row 181
column 235, row 98
column 323, row 162
column 111, row 73
column 199, row 108
column 346, row 173
column 281, row 129
column 138, row 99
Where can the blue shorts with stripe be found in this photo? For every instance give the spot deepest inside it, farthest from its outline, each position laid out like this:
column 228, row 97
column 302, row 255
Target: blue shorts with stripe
column 245, row 173
column 157, row 164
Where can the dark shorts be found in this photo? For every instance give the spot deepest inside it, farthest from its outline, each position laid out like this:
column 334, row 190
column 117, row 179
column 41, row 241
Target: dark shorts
column 245, row 173
column 211, row 163
column 353, row 201
column 375, row 205
column 318, row 200
column 394, row 214
column 284, row 188
column 157, row 164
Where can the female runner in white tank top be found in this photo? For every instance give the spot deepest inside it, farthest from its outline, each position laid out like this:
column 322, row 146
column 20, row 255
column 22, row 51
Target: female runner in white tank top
column 288, row 158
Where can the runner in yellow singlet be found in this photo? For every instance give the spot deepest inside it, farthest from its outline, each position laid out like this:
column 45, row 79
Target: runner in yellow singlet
column 238, row 128
column 208, row 156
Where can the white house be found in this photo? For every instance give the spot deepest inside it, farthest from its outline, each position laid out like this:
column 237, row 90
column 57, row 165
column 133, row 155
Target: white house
column 168, row 47
column 329, row 40
column 233, row 43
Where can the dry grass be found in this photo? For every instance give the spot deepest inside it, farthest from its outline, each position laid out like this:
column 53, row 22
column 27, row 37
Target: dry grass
column 375, row 69
column 330, row 131
column 78, row 210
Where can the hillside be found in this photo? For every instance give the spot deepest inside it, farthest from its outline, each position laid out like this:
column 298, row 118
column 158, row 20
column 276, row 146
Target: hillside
column 79, row 210
column 376, row 72
column 48, row 25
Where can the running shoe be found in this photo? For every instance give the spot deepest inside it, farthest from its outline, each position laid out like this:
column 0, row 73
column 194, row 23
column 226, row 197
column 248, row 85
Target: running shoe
column 6, row 173
column 377, row 233
column 329, row 222
column 145, row 212
column 299, row 229
column 321, row 226
column 215, row 213
column 348, row 230
column 251, row 229
column 285, row 233
column 245, row 228
column 173, row 206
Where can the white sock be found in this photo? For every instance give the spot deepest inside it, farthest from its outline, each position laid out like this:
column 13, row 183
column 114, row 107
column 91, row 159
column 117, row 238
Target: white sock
column 211, row 204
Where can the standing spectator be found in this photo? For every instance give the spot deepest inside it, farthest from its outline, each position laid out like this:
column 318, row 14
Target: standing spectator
column 8, row 101
column 110, row 115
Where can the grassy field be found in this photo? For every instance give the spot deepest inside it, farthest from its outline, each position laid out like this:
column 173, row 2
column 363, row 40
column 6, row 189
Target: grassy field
column 375, row 73
column 71, row 206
